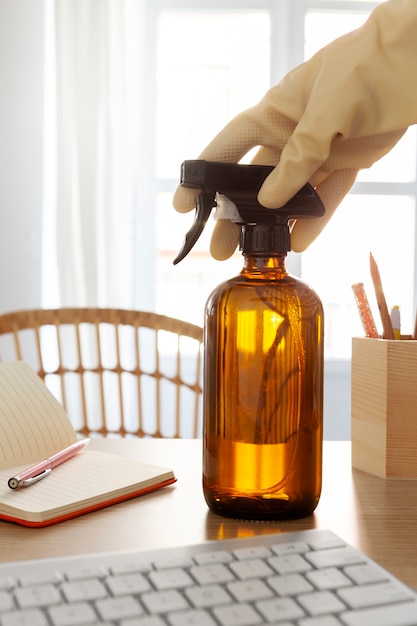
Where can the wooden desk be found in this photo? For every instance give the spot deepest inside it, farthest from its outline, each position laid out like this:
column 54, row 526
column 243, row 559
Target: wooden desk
column 378, row 516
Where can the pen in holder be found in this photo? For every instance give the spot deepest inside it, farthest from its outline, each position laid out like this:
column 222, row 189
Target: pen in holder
column 384, row 407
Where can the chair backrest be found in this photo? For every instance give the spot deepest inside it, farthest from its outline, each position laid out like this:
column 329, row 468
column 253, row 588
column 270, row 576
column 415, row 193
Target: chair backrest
column 115, row 371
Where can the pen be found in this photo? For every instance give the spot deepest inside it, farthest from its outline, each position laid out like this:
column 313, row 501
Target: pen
column 41, row 470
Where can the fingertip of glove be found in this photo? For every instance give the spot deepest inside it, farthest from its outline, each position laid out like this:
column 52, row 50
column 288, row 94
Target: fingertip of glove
column 273, row 194
column 222, row 255
column 184, row 199
column 224, row 240
column 305, row 231
column 299, row 244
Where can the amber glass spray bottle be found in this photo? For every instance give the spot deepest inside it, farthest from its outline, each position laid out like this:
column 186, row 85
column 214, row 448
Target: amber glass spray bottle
column 263, row 357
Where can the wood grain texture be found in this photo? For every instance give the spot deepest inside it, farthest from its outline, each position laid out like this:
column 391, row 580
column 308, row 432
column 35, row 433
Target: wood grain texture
column 384, row 407
column 377, row 516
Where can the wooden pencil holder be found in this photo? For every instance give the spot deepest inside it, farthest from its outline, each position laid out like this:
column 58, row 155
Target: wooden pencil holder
column 384, row 407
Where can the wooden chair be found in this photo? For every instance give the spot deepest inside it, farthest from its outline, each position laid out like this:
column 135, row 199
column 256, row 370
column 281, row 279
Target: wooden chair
column 116, row 372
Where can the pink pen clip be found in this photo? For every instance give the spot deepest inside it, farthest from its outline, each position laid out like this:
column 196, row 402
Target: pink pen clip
column 41, row 470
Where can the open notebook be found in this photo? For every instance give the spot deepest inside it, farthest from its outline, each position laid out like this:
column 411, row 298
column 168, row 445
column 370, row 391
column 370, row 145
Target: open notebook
column 33, row 427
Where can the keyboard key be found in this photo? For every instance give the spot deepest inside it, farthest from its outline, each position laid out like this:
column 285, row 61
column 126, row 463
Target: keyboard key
column 289, row 564
column 6, row 601
column 252, row 568
column 90, row 589
column 404, row 614
column 375, row 594
column 250, row 590
column 279, row 609
column 207, row 596
column 128, row 583
column 127, row 566
column 321, row 602
column 326, row 542
column 86, row 571
column 297, row 547
column 365, row 573
column 170, row 579
column 172, row 562
column 7, row 582
column 328, row 578
column 119, row 608
column 216, row 556
column 40, row 578
column 257, row 552
column 41, row 595
column 191, row 618
column 72, row 614
column 164, row 601
column 237, row 615
column 289, row 584
column 335, row 557
column 32, row 617
column 216, row 573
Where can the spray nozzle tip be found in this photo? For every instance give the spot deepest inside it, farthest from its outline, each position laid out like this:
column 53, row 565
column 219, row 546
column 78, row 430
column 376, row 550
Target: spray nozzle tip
column 204, row 204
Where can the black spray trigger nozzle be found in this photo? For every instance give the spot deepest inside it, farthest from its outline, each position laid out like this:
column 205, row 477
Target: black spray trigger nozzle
column 205, row 202
column 240, row 184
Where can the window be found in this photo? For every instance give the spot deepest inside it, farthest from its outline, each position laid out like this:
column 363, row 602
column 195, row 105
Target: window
column 214, row 59
column 378, row 216
column 213, row 63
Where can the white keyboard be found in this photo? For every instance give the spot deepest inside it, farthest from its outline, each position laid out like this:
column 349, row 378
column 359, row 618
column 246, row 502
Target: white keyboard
column 308, row 578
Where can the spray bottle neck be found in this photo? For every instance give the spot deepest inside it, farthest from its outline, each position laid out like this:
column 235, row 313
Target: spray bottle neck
column 267, row 266
column 265, row 239
column 264, row 250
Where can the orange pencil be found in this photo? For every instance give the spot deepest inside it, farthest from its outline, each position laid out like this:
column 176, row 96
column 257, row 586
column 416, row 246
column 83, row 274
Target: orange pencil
column 365, row 311
column 380, row 298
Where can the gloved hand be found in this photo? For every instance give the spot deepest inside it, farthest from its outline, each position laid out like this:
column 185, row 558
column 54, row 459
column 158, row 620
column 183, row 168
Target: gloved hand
column 328, row 118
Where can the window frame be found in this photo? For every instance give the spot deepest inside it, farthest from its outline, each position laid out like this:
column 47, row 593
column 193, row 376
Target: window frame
column 287, row 51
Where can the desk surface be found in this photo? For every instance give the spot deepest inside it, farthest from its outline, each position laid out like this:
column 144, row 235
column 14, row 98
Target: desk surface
column 377, row 516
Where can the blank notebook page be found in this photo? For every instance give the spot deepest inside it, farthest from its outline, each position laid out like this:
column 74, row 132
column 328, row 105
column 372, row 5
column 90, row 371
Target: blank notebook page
column 33, row 424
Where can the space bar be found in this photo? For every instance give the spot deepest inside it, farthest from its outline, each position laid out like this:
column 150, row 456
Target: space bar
column 404, row 614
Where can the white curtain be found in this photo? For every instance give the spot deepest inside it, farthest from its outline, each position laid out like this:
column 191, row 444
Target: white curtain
column 94, row 73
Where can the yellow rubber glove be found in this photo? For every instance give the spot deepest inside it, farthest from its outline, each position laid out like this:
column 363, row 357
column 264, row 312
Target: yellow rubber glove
column 328, row 118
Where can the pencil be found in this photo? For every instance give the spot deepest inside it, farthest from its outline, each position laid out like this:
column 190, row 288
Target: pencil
column 388, row 332
column 365, row 312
